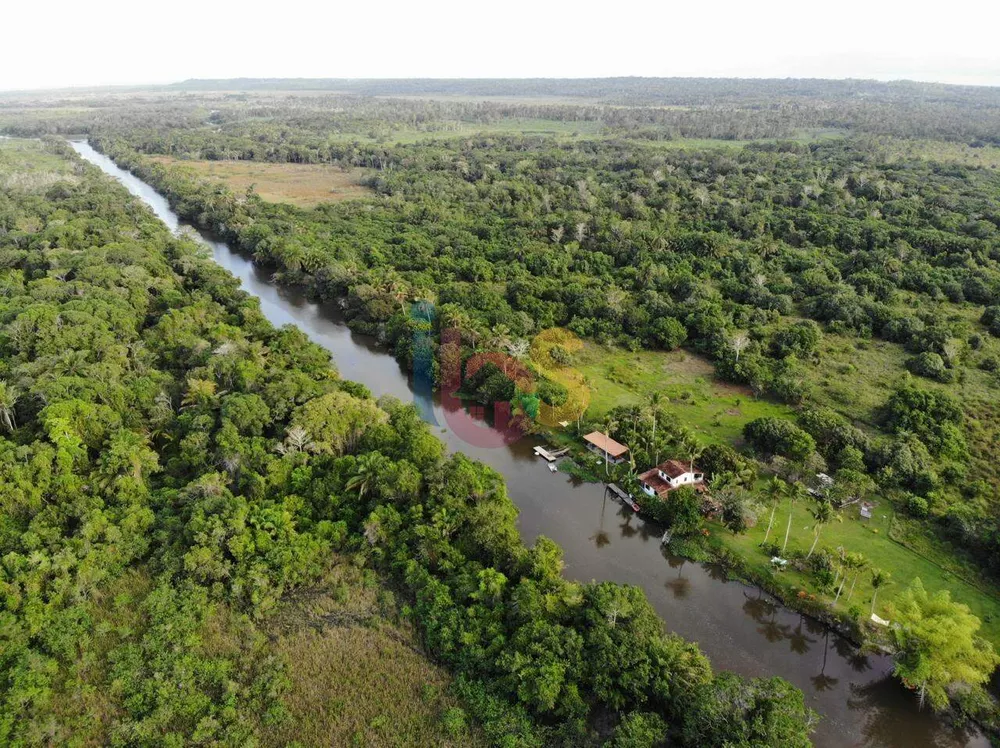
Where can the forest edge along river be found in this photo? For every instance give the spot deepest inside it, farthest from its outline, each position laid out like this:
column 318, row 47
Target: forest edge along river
column 740, row 628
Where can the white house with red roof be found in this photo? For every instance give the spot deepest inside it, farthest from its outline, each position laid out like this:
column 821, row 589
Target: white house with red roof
column 665, row 477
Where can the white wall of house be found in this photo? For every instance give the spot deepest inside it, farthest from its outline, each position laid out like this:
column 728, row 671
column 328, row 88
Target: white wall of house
column 682, row 479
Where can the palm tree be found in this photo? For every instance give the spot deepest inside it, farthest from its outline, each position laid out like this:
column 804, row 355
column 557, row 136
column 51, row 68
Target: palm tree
column 858, row 564
column 654, row 405
column 610, row 424
column 879, row 579
column 291, row 255
column 774, row 490
column 794, row 492
column 366, row 470
column 823, row 513
column 499, row 337
column 199, row 392
column 692, row 448
column 9, row 396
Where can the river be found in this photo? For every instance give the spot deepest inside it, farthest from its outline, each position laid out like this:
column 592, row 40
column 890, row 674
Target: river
column 738, row 627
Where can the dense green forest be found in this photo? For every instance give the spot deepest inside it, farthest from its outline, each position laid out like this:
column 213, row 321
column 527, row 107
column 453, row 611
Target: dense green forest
column 648, row 108
column 173, row 467
column 830, row 249
column 749, row 258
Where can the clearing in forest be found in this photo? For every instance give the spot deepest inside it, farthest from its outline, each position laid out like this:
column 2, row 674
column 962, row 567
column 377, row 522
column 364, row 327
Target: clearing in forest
column 714, row 409
column 358, row 676
column 304, row 185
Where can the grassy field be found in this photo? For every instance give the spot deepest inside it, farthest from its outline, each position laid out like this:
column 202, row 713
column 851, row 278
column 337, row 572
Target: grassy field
column 987, row 156
column 715, row 410
column 357, row 678
column 29, row 167
column 872, row 539
column 444, row 129
column 304, row 185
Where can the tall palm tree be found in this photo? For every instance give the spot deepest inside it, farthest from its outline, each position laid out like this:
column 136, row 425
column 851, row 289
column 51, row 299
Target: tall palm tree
column 654, row 405
column 610, row 424
column 858, row 563
column 499, row 337
column 823, row 513
column 774, row 489
column 879, row 579
column 794, row 492
column 296, row 440
column 366, row 470
column 9, row 396
column 692, row 448
column 200, row 392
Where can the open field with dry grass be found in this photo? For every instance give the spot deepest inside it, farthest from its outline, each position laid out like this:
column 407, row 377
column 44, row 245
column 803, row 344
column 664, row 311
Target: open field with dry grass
column 358, row 678
column 304, row 185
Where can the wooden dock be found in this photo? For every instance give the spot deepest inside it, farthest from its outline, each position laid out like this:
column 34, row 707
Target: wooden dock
column 624, row 497
column 550, row 456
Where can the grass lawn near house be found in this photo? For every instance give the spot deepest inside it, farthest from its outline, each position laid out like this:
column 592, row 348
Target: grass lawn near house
column 871, row 539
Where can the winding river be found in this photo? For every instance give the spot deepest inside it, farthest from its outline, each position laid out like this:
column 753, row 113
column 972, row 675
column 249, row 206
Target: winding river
column 738, row 627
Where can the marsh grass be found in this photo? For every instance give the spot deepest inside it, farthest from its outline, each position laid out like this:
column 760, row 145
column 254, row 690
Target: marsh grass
column 303, row 185
column 358, row 675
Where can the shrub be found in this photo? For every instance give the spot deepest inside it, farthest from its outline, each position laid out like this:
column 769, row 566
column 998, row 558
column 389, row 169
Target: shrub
column 639, row 730
column 778, row 436
column 916, row 505
column 990, row 363
column 929, row 365
column 454, row 721
column 991, row 319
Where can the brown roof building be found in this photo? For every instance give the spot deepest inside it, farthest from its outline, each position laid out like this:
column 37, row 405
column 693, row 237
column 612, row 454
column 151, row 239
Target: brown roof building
column 603, row 445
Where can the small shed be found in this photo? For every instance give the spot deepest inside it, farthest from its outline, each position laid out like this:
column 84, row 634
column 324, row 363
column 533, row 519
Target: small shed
column 607, row 448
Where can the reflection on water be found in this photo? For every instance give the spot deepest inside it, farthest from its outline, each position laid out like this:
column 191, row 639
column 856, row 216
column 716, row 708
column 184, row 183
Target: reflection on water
column 739, row 628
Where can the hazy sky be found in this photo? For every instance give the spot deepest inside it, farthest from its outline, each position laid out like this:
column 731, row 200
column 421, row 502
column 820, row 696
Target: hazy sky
column 46, row 44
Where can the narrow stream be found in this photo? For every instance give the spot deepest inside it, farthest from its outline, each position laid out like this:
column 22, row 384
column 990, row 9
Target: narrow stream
column 738, row 627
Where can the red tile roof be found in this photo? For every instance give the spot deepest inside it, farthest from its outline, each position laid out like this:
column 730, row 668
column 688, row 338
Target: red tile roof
column 652, row 479
column 674, row 468
column 606, row 444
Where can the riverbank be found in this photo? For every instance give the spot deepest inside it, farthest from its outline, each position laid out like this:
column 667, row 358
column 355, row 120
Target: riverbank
column 809, row 590
column 816, row 583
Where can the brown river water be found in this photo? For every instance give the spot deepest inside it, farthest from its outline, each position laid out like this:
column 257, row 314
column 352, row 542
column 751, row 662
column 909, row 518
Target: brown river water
column 740, row 628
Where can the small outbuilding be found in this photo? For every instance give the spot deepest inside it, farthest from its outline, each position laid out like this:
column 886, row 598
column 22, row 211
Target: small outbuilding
column 605, row 447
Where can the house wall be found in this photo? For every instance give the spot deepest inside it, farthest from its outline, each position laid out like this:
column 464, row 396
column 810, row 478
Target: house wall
column 680, row 480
